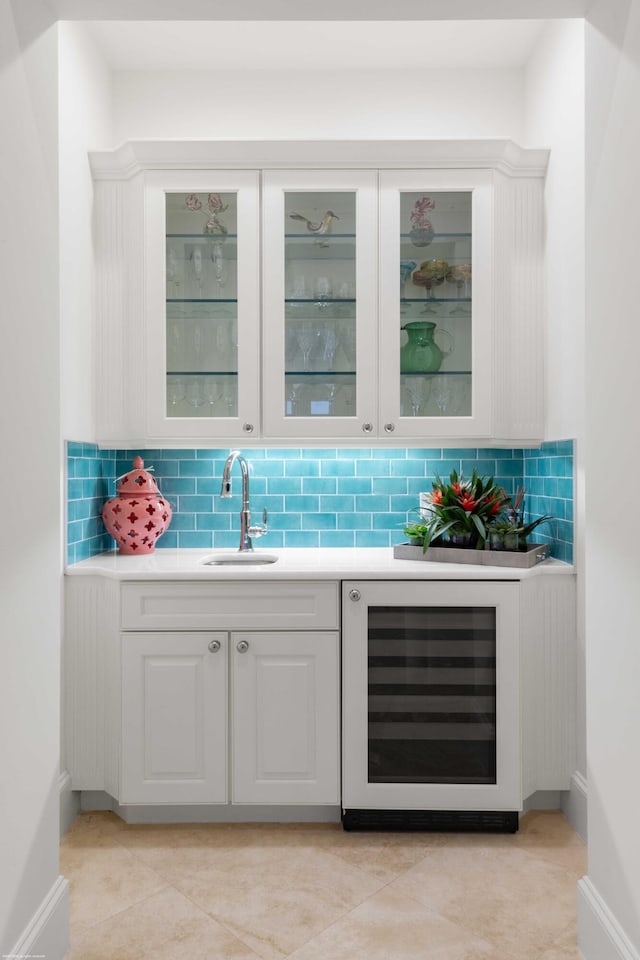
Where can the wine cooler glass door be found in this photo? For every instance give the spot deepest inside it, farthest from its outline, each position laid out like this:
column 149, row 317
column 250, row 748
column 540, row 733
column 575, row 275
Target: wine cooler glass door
column 433, row 722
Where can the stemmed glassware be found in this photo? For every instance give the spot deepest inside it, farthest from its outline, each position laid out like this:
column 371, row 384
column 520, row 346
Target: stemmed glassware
column 329, row 347
column 306, row 341
column 406, row 267
column 213, row 392
column 446, row 395
column 460, row 275
column 418, row 390
column 194, row 394
column 175, row 391
column 219, row 265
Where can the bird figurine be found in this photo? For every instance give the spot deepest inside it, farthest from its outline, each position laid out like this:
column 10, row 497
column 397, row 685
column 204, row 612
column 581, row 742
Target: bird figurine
column 323, row 227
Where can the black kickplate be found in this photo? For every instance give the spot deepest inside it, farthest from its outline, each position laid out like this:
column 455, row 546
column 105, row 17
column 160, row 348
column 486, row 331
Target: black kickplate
column 447, row 821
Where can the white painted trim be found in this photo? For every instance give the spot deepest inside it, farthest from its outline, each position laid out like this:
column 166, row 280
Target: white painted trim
column 137, row 155
column 574, row 804
column 600, row 936
column 47, row 934
column 69, row 802
column 210, row 812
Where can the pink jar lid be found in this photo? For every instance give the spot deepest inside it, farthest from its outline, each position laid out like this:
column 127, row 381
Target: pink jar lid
column 138, row 482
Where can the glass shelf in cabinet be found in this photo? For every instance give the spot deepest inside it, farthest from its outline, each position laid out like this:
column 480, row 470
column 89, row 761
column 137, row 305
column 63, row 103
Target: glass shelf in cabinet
column 441, row 236
column 202, row 373
column 320, row 374
column 201, row 300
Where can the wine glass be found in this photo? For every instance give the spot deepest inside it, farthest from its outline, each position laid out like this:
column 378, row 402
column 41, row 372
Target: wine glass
column 219, row 265
column 294, row 390
column 406, row 267
column 306, row 340
column 446, row 395
column 196, row 262
column 329, row 346
column 213, row 392
column 460, row 275
column 175, row 392
column 195, row 393
column 173, row 272
column 418, row 390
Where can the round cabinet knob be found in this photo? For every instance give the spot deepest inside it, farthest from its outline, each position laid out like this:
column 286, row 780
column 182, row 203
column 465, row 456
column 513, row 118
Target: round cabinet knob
column 247, row 427
column 367, row 427
column 242, row 646
column 214, row 646
column 389, row 427
column 354, row 594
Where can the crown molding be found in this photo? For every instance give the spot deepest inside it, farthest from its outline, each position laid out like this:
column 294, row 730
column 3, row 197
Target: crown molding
column 136, row 156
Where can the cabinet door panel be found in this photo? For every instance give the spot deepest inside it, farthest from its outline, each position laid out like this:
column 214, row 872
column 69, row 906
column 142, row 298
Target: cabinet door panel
column 173, row 718
column 436, row 309
column 285, row 718
column 202, row 303
column 320, row 298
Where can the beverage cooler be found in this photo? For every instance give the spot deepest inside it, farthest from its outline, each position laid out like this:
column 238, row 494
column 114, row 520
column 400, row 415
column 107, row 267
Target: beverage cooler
column 431, row 725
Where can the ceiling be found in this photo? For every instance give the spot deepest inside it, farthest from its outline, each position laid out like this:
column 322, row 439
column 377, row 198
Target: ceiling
column 315, row 45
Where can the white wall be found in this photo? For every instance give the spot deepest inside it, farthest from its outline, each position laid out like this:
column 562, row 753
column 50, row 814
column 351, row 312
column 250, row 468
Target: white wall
column 85, row 124
column 30, row 479
column 610, row 898
column 555, row 118
column 309, row 105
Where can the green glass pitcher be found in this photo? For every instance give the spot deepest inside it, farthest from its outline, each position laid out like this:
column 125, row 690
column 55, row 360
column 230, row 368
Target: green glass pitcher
column 421, row 353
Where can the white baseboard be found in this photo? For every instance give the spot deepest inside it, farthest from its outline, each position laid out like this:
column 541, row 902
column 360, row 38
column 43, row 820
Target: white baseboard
column 600, row 936
column 47, row 935
column 69, row 802
column 574, row 804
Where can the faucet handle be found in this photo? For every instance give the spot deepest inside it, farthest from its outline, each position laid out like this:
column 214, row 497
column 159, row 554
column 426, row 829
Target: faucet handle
column 260, row 529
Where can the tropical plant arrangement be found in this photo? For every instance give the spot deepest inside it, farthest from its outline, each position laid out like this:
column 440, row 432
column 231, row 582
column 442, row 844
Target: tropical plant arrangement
column 510, row 532
column 461, row 510
column 467, row 513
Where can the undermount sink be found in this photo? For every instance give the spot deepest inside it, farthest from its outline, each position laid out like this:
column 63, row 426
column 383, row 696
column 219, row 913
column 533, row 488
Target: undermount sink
column 241, row 558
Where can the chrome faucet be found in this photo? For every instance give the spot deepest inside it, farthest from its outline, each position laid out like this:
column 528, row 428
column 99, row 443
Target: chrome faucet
column 246, row 530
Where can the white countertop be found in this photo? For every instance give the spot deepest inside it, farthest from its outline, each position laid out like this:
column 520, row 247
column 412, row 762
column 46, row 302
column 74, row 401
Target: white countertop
column 325, row 563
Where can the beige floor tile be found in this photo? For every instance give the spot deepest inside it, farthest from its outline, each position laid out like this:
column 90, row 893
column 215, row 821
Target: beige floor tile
column 275, row 900
column 104, row 878
column 388, row 926
column 565, row 947
column 508, row 896
column 166, row 926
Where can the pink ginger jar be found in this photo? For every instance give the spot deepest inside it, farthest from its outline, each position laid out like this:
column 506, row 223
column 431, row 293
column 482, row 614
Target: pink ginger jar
column 138, row 514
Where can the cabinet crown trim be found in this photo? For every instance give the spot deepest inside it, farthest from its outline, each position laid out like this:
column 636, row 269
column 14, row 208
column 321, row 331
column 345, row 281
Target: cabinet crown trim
column 135, row 156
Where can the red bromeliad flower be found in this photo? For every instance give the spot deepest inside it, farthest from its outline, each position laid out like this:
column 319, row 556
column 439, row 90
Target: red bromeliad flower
column 436, row 496
column 468, row 503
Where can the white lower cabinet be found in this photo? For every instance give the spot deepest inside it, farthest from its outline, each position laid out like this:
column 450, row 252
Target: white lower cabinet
column 284, row 731
column 286, row 717
column 174, row 718
column 216, row 711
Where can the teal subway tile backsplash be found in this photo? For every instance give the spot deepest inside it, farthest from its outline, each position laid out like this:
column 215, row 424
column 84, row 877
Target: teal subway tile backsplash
column 337, row 497
column 90, row 475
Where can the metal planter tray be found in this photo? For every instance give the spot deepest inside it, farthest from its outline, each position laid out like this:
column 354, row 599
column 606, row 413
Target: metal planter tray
column 534, row 554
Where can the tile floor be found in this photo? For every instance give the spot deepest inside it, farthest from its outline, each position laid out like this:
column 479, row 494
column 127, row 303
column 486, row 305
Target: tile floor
column 314, row 892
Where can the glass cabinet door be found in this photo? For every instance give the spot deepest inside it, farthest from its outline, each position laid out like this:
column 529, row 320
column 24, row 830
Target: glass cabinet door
column 435, row 302
column 319, row 274
column 204, row 304
column 430, row 702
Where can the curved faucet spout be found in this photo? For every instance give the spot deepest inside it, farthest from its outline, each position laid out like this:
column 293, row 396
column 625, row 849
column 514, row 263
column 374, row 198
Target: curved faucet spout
column 246, row 530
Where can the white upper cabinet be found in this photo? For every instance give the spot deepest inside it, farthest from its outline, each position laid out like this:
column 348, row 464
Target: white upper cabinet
column 202, row 304
column 435, row 303
column 387, row 291
column 320, row 301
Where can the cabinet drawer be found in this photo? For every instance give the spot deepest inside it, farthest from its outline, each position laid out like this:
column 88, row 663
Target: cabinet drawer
column 232, row 605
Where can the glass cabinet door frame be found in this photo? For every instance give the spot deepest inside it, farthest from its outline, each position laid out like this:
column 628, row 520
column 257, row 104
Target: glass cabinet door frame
column 431, row 182
column 245, row 183
column 276, row 185
column 357, row 791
